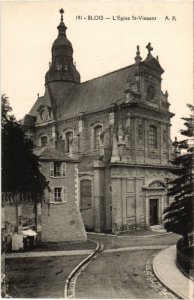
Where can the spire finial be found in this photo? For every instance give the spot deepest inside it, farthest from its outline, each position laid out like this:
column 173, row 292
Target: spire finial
column 61, row 12
column 138, row 52
column 138, row 57
column 149, row 47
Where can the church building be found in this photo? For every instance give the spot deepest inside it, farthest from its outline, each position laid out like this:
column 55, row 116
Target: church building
column 115, row 132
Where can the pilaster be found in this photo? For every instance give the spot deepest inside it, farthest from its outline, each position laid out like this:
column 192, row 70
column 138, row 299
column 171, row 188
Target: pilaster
column 137, row 202
column 147, row 211
column 99, row 206
column 117, row 222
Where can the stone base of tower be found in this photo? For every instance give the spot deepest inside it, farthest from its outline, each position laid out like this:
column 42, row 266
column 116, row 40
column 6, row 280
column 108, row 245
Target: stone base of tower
column 61, row 223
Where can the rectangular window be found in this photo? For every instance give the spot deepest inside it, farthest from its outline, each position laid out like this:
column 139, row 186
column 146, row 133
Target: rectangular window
column 52, row 169
column 58, row 195
column 43, row 141
column 97, row 133
column 57, row 169
column 68, row 137
column 153, row 137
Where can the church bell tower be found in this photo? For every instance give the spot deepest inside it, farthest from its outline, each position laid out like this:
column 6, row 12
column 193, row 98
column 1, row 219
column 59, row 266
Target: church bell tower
column 62, row 67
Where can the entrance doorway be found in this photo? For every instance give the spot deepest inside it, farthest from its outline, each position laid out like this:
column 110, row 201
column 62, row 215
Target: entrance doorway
column 153, row 212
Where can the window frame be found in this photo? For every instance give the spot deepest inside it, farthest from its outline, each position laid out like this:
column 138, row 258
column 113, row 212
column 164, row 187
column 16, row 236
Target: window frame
column 153, row 137
column 63, row 195
column 53, row 169
column 42, row 137
column 94, row 136
column 67, row 144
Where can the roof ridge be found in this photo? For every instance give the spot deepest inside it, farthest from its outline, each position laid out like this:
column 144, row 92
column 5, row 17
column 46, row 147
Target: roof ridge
column 106, row 74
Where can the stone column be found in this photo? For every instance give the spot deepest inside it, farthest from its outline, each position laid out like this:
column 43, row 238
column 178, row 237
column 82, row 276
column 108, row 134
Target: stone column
column 147, row 211
column 117, row 222
column 115, row 151
column 146, row 151
column 135, row 138
column 53, row 132
column 98, row 195
column 168, row 143
column 162, row 208
column 133, row 142
column 137, row 203
column 159, row 209
column 161, row 148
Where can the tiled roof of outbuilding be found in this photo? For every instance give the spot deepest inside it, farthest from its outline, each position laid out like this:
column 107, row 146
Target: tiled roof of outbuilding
column 52, row 154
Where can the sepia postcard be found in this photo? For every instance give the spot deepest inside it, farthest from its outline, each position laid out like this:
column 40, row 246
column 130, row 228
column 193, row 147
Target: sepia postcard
column 97, row 183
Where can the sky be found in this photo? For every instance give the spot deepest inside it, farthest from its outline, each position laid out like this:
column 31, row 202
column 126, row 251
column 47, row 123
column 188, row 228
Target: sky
column 28, row 29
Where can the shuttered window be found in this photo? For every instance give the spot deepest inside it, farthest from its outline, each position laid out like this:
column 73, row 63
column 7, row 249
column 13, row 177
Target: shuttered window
column 57, row 169
column 52, row 169
column 63, row 169
column 58, row 195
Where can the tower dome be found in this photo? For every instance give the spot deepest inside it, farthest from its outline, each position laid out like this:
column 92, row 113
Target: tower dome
column 62, row 67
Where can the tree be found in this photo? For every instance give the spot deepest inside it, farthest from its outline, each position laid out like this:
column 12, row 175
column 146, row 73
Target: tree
column 179, row 216
column 20, row 166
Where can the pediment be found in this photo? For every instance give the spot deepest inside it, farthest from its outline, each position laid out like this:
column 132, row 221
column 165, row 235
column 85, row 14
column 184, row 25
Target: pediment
column 42, row 107
column 155, row 185
column 44, row 113
column 153, row 63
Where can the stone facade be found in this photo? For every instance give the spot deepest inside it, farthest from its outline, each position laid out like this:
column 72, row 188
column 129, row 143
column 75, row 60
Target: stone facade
column 60, row 218
column 117, row 127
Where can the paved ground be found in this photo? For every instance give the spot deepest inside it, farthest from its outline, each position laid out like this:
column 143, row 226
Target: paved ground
column 130, row 240
column 61, row 246
column 47, row 253
column 117, row 275
column 42, row 277
column 172, row 277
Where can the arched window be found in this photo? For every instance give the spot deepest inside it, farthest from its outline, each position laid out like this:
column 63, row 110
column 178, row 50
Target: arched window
column 43, row 141
column 153, row 137
column 97, row 133
column 68, row 136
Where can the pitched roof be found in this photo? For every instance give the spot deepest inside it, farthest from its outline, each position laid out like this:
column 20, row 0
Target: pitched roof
column 96, row 94
column 93, row 95
column 44, row 100
column 28, row 120
column 52, row 154
column 87, row 162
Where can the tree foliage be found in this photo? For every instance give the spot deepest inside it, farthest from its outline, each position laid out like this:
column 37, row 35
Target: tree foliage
column 20, row 166
column 179, row 216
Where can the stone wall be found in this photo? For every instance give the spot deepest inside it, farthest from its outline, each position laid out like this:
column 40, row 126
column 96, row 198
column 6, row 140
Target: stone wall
column 62, row 221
